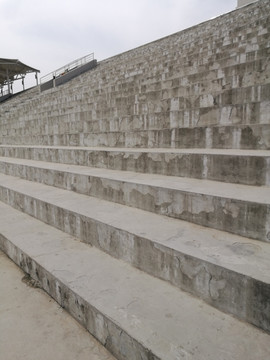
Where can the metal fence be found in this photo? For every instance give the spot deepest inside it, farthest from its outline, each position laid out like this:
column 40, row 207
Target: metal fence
column 67, row 68
column 4, row 92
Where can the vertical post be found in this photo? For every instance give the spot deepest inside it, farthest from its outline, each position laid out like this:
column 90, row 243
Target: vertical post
column 8, row 82
column 36, row 76
column 23, row 83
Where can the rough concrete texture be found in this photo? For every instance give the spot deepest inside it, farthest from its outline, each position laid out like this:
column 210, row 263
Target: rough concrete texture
column 207, row 86
column 158, row 161
column 224, row 270
column 202, row 202
column 133, row 315
column 249, row 167
column 33, row 326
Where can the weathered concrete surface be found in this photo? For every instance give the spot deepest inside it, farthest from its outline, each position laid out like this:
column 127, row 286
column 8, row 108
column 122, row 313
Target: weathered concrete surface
column 33, row 326
column 229, row 272
column 207, row 86
column 220, row 137
column 233, row 208
column 134, row 315
column 205, row 91
column 250, row 167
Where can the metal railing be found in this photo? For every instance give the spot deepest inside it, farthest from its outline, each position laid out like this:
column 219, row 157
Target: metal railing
column 4, row 92
column 67, row 68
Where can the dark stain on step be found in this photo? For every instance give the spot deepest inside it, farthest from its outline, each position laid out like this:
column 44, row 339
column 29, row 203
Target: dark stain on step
column 30, row 282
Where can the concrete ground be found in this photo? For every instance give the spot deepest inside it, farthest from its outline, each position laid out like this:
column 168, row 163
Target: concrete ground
column 33, row 326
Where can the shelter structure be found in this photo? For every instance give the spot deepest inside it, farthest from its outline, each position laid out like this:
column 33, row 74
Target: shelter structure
column 11, row 70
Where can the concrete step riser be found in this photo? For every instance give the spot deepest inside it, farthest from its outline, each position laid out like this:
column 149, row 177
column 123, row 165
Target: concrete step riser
column 247, row 219
column 233, row 83
column 219, row 91
column 242, row 169
column 206, row 115
column 223, row 137
column 212, row 33
column 224, row 289
column 158, row 109
column 108, row 333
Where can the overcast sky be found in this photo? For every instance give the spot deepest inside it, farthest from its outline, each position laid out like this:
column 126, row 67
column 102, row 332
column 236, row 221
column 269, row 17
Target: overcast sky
column 47, row 34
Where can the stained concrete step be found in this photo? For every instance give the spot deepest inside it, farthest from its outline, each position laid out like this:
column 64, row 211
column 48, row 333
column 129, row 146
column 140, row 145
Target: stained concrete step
column 212, row 80
column 248, row 167
column 217, row 137
column 201, row 44
column 134, row 315
column 228, row 271
column 212, row 107
column 239, row 209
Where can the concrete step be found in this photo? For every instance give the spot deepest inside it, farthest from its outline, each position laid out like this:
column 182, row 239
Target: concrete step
column 133, row 315
column 222, row 137
column 220, row 90
column 218, row 137
column 248, row 167
column 32, row 326
column 239, row 209
column 223, row 86
column 51, row 104
column 208, row 98
column 194, row 42
column 232, row 72
column 227, row 271
column 214, row 107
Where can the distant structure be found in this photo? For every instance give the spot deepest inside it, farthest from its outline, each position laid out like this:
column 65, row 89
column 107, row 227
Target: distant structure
column 244, row 2
column 10, row 71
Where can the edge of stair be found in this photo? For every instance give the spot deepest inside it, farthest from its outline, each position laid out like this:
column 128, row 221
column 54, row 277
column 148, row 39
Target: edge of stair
column 220, row 268
column 122, row 306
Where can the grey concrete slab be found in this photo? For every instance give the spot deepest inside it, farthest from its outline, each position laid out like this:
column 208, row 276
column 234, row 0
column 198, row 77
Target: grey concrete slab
column 234, row 152
column 222, row 137
column 250, row 167
column 134, row 315
column 239, row 209
column 33, row 326
column 203, row 187
column 227, row 271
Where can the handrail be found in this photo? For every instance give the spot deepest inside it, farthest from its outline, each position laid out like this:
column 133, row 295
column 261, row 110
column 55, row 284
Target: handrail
column 67, row 68
column 4, row 92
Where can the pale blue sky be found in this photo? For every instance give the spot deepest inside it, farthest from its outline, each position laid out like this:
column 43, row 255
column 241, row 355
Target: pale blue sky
column 47, row 34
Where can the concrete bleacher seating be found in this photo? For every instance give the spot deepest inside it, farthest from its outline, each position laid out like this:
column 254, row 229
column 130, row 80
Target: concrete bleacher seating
column 138, row 194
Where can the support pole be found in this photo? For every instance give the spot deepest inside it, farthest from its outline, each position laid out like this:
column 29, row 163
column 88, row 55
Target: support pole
column 8, row 82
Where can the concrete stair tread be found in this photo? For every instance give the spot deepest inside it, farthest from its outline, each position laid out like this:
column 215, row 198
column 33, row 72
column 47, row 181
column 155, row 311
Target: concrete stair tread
column 165, row 321
column 238, row 254
column 260, row 195
column 212, row 151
